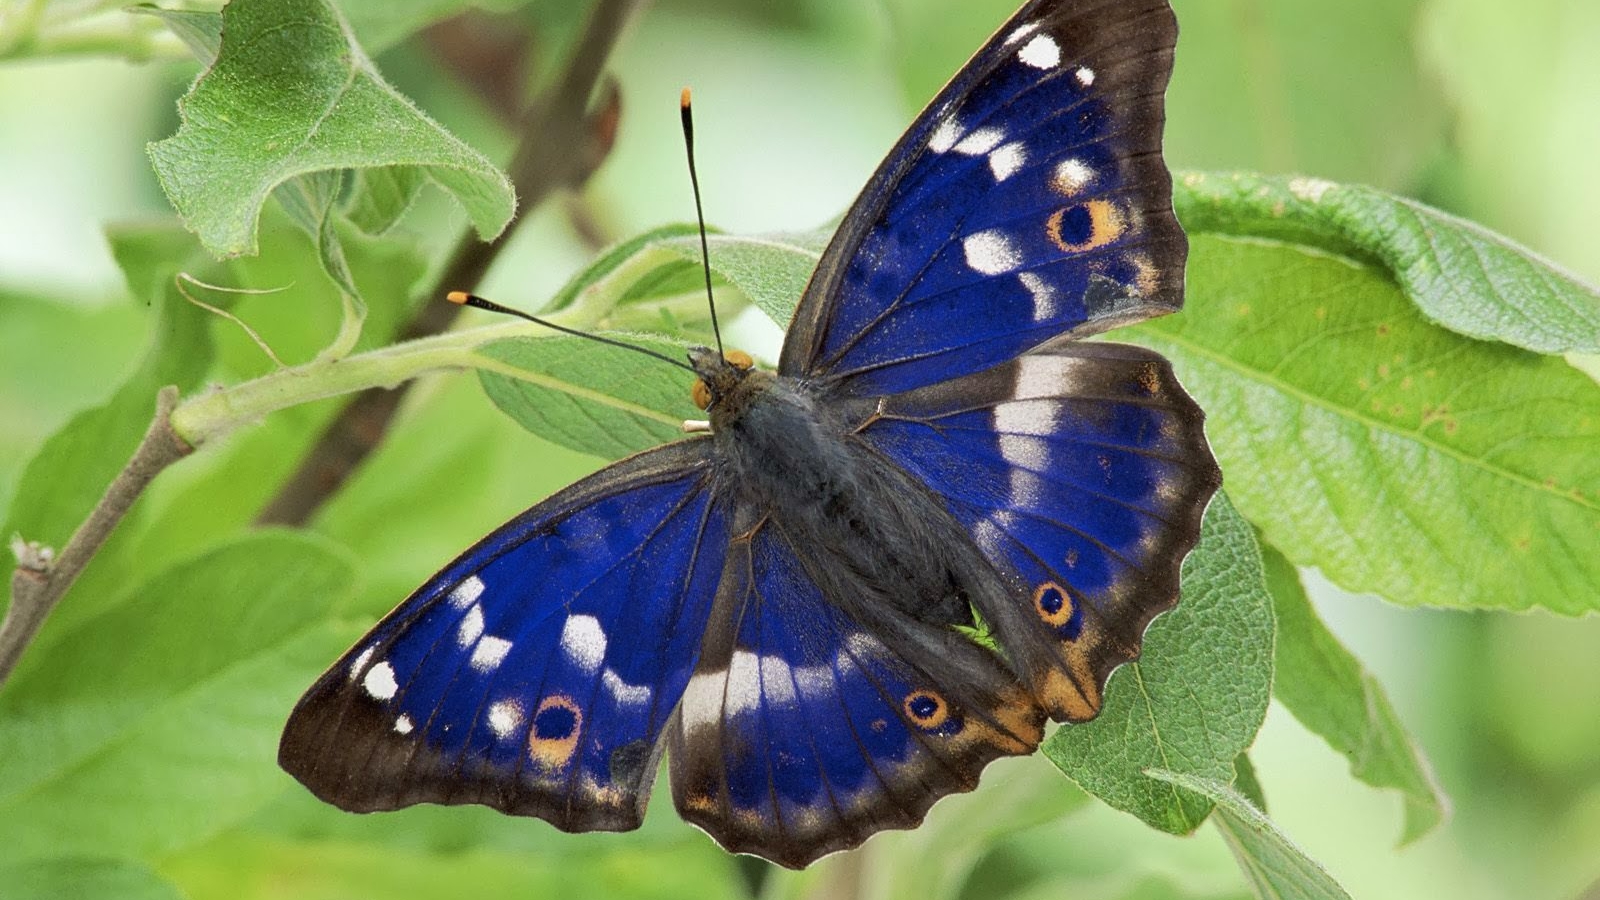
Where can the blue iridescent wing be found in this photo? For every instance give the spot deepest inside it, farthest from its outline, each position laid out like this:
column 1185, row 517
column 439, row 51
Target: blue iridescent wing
column 536, row 673
column 1029, row 200
column 1082, row 472
column 803, row 731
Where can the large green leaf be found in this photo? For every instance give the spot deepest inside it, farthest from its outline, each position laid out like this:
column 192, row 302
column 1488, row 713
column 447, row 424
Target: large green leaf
column 1195, row 699
column 155, row 724
column 1460, row 274
column 1330, row 692
column 292, row 93
column 588, row 396
column 1398, row 457
column 1274, row 866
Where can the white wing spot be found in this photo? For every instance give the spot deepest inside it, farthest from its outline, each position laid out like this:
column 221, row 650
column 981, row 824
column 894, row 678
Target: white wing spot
column 471, row 627
column 1046, row 377
column 1042, row 52
column 777, row 681
column 744, row 683
column 1008, row 160
column 1085, row 75
column 1044, row 296
column 504, row 717
column 1072, row 176
column 981, row 141
column 1021, row 33
column 1018, row 427
column 622, row 691
column 467, row 592
column 702, row 700
column 584, row 641
column 991, row 253
column 403, row 725
column 360, row 663
column 945, row 136
column 380, row 683
column 490, row 652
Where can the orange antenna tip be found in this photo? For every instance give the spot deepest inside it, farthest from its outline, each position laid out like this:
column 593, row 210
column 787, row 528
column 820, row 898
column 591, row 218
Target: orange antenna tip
column 683, row 99
column 459, row 298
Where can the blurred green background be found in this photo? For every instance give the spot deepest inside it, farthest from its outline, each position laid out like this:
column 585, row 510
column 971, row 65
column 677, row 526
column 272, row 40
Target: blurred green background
column 1486, row 109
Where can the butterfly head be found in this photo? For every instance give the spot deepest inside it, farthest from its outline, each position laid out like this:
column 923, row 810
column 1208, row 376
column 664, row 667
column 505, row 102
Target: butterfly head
column 719, row 374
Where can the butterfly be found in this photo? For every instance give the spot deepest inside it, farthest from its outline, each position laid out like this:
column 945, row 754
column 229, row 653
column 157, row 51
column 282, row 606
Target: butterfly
column 942, row 521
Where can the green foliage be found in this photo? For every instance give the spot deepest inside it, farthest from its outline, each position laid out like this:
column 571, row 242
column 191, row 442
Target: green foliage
column 1195, row 698
column 1274, row 866
column 1380, row 379
column 292, row 94
column 1329, row 691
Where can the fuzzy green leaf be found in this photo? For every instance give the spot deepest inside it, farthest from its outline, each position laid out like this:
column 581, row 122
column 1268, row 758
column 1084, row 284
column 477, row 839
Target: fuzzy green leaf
column 1274, row 866
column 1396, row 456
column 772, row 270
column 199, row 29
column 597, row 399
column 83, row 878
column 1330, row 692
column 185, row 683
column 1195, row 699
column 1461, row 275
column 292, row 93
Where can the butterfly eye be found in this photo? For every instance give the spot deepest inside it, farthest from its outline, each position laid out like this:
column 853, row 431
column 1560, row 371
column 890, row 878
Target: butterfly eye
column 700, row 393
column 739, row 360
column 926, row 709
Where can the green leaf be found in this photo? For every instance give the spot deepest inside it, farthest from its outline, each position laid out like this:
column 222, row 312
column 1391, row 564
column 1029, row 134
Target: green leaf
column 1330, row 692
column 772, row 270
column 292, row 93
column 1398, row 457
column 596, row 399
column 199, row 29
column 155, row 723
column 1197, row 695
column 1274, row 866
column 626, row 262
column 84, row 878
column 1461, row 275
column 382, row 197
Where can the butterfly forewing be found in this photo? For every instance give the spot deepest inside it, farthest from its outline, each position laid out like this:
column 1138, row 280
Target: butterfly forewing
column 536, row 673
column 1028, row 200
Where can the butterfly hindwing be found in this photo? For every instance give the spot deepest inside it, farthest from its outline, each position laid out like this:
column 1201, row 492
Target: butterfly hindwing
column 1082, row 472
column 536, row 673
column 802, row 732
column 1029, row 200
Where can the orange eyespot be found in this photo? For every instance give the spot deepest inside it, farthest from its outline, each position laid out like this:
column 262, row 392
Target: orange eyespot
column 700, row 393
column 926, row 709
column 1053, row 604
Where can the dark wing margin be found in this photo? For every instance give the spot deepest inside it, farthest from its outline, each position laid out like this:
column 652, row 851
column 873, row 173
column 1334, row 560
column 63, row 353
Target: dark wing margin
column 536, row 673
column 1082, row 472
column 1028, row 200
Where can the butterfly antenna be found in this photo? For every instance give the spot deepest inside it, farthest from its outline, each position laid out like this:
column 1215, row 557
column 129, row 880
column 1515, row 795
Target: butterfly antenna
column 462, row 298
column 694, row 181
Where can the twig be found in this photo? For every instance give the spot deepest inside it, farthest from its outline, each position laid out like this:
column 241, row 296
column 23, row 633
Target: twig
column 40, row 582
column 561, row 145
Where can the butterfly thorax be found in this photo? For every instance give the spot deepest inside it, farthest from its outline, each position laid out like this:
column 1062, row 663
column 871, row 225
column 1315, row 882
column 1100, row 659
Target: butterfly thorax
column 885, row 540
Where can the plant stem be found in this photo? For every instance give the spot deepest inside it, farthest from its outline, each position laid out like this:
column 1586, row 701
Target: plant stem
column 561, row 144
column 38, row 583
